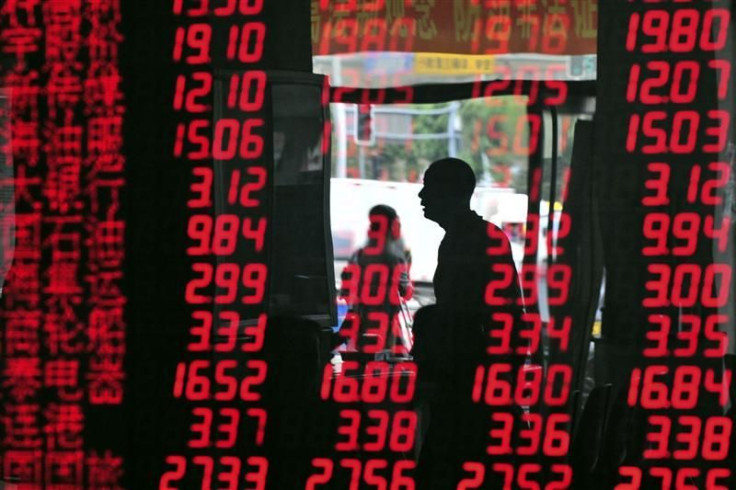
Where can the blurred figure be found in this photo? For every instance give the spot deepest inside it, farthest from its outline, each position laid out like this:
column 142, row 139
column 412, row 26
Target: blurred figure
column 374, row 284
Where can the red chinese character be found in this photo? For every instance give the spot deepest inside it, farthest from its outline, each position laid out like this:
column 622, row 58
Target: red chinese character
column 107, row 331
column 104, row 472
column 20, row 12
column 22, row 333
column 108, row 241
column 24, row 465
column 105, row 378
column 104, row 288
column 103, row 41
column 24, row 285
column 28, row 235
column 26, row 142
column 64, row 92
column 104, row 135
column 22, row 377
column 64, row 336
column 62, row 186
column 61, row 372
column 20, row 41
column 22, row 428
column 64, row 426
column 62, row 28
column 64, row 470
column 26, row 92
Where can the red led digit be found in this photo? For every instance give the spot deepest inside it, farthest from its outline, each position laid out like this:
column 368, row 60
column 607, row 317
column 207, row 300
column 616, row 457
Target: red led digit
column 478, row 473
column 498, row 391
column 531, row 237
column 631, row 472
column 657, row 184
column 565, row 472
column 241, row 193
column 196, row 134
column 375, row 275
column 226, row 278
column 246, row 42
column 355, row 467
column 662, row 68
column 201, row 428
column 529, row 279
column 501, row 331
column 197, row 384
column 375, row 383
column 689, row 70
column 199, row 228
column 563, row 230
column 654, row 394
column 723, row 67
column 257, row 476
column 665, row 474
column 374, row 35
column 247, row 91
column 371, row 477
column 656, row 228
column 201, row 333
column 685, row 387
column 633, row 395
column 558, row 282
column 528, row 385
column 689, row 438
column 655, row 25
column 225, row 380
column 714, row 38
column 507, row 470
column 531, row 125
column 685, row 228
column 532, row 335
column 244, row 7
column 505, row 274
column 713, row 334
column 684, row 133
column 261, row 369
column 201, row 189
column 403, row 430
column 658, row 334
column 559, row 330
column 197, row 37
column 685, row 477
column 633, row 85
column 684, row 30
column 709, row 194
column 229, row 476
column 173, row 476
column 719, row 235
column 498, row 32
column 716, row 285
column 632, row 31
column 317, row 480
column 201, row 90
column 347, row 386
column 658, row 435
column 524, row 478
column 257, row 233
column 715, row 474
column 377, row 429
column 500, row 434
column 531, row 431
column 717, row 438
column 254, row 277
column 226, row 234
column 233, row 137
column 403, row 392
column 229, row 428
column 496, row 133
column 346, row 34
column 554, row 35
column 556, row 435
column 253, row 335
column 376, row 328
column 659, row 286
column 399, row 480
column 720, row 131
column 558, row 375
column 688, row 336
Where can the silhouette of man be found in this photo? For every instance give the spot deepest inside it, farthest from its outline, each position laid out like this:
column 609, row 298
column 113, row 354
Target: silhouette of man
column 476, row 288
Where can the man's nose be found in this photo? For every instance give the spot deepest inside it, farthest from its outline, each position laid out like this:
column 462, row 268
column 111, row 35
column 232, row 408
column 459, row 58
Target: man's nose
column 420, row 193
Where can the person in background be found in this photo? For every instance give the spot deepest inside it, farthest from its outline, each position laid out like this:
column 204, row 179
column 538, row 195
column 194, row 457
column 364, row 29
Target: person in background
column 374, row 283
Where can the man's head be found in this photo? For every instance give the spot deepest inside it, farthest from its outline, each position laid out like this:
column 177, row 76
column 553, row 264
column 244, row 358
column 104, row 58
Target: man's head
column 448, row 186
